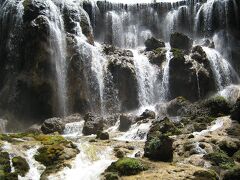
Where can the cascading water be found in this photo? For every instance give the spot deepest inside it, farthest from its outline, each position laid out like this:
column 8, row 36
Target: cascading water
column 220, row 66
column 58, row 44
column 147, row 76
column 165, row 78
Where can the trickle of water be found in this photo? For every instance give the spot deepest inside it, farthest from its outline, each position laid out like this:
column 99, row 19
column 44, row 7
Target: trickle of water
column 165, row 79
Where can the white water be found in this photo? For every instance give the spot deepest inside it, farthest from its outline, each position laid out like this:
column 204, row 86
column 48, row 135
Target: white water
column 215, row 125
column 136, row 133
column 3, row 124
column 58, row 46
column 36, row 169
column 165, row 78
column 220, row 67
column 231, row 93
column 147, row 75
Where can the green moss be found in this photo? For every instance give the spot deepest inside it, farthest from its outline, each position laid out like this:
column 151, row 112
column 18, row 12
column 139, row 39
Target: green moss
column 220, row 159
column 21, row 166
column 5, row 162
column 160, row 51
column 127, row 166
column 177, row 53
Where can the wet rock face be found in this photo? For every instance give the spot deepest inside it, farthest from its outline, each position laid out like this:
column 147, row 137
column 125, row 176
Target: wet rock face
column 153, row 43
column 181, row 41
column 122, row 70
column 189, row 78
column 157, row 57
column 235, row 113
column 52, row 125
column 125, row 122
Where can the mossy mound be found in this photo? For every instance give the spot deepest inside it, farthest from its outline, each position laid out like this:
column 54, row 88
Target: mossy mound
column 111, row 176
column 127, row 166
column 220, row 159
column 205, row 175
column 21, row 166
column 232, row 174
column 236, row 156
column 218, row 106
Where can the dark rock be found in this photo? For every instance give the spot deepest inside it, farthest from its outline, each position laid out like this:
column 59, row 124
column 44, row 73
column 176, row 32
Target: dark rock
column 138, row 154
column 119, row 153
column 153, row 43
column 111, row 176
column 52, row 125
column 124, row 81
column 236, row 156
column 181, row 41
column 102, row 135
column 233, row 174
column 235, row 112
column 185, row 80
column 93, row 124
column 147, row 114
column 125, row 122
column 20, row 165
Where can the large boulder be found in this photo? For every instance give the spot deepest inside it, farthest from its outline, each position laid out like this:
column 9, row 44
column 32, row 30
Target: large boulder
column 122, row 73
column 159, row 146
column 181, row 41
column 147, row 114
column 177, row 106
column 157, row 56
column 52, row 125
column 125, row 122
column 233, row 174
column 93, row 124
column 153, row 43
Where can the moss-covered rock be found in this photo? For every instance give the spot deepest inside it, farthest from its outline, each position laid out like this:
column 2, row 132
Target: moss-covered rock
column 102, row 135
column 220, row 159
column 127, row 166
column 21, row 166
column 205, row 175
column 55, row 152
column 153, row 43
column 5, row 167
column 180, row 41
column 236, row 156
column 111, row 176
column 229, row 146
column 235, row 112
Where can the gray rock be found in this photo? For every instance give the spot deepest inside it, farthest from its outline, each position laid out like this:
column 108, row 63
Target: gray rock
column 52, row 125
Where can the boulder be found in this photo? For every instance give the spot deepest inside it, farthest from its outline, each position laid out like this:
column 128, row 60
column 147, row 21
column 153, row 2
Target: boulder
column 127, row 166
column 147, row 114
column 124, row 81
column 159, row 148
column 20, row 165
column 235, row 112
column 93, row 124
column 181, row 41
column 52, row 125
column 205, row 175
column 125, row 122
column 102, row 135
column 153, row 43
column 229, row 146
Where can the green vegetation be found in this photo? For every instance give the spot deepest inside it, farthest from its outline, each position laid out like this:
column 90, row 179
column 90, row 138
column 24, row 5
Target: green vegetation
column 21, row 166
column 127, row 166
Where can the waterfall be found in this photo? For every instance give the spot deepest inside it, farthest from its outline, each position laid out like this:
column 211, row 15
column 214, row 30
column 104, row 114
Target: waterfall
column 58, row 45
column 220, row 67
column 147, row 76
column 165, row 79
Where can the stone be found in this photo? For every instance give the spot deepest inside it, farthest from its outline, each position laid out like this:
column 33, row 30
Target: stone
column 180, row 41
column 125, row 122
column 153, row 43
column 205, row 175
column 147, row 114
column 232, row 174
column 20, row 165
column 102, row 135
column 177, row 106
column 92, row 124
column 52, row 125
